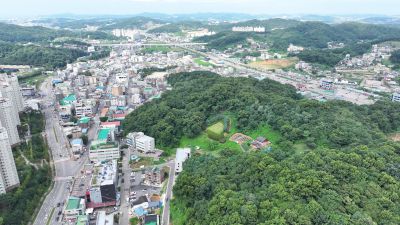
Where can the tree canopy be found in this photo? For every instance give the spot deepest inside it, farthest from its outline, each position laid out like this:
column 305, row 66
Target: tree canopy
column 198, row 96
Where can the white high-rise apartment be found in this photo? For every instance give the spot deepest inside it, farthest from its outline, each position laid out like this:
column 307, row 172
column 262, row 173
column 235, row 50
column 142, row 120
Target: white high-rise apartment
column 13, row 81
column 8, row 171
column 9, row 119
column 10, row 89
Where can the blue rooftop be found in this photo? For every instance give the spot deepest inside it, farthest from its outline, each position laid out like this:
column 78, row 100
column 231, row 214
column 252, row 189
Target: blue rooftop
column 77, row 141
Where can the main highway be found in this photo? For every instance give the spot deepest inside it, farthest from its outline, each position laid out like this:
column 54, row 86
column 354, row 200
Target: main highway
column 65, row 167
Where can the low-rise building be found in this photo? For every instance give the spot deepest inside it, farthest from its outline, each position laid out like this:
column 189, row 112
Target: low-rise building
column 102, row 151
column 154, row 177
column 82, row 220
column 104, row 219
column 140, row 142
column 182, row 154
column 77, row 146
column 74, row 208
column 102, row 192
column 396, row 97
column 326, row 84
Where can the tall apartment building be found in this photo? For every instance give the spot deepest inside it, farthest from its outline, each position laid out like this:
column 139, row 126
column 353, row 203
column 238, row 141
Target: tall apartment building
column 9, row 119
column 140, row 142
column 8, row 171
column 10, row 89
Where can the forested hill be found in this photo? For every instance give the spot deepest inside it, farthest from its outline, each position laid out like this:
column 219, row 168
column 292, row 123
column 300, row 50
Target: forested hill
column 306, row 34
column 199, row 95
column 350, row 173
column 15, row 33
column 20, row 45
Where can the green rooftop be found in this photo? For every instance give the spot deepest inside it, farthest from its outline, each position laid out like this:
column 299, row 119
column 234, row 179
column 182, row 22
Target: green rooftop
column 103, row 145
column 82, row 220
column 73, row 203
column 151, row 223
column 103, row 134
column 68, row 100
column 84, row 120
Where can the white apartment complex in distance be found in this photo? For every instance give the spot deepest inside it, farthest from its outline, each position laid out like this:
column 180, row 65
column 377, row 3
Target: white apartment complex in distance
column 182, row 154
column 9, row 118
column 249, row 29
column 140, row 142
column 8, row 171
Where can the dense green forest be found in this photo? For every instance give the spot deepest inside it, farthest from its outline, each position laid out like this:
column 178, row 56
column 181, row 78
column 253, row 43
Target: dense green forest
column 178, row 27
column 306, row 34
column 348, row 175
column 331, row 57
column 37, row 56
column 15, row 33
column 395, row 57
column 197, row 96
column 358, row 185
column 16, row 46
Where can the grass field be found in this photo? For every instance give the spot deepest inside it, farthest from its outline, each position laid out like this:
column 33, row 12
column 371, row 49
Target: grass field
column 203, row 142
column 272, row 64
column 201, row 62
column 153, row 49
column 264, row 131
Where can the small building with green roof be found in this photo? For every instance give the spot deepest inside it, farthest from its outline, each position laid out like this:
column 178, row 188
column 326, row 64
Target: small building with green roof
column 82, row 220
column 84, row 122
column 70, row 99
column 74, row 208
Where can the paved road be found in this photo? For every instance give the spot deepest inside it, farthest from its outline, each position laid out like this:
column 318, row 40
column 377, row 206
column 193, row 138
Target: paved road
column 65, row 167
column 168, row 193
column 125, row 188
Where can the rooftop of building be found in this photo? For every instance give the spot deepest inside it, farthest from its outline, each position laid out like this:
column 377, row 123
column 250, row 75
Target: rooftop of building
column 103, row 145
column 105, row 173
column 103, row 134
column 84, row 120
column 82, row 220
column 113, row 123
column 73, row 203
column 182, row 154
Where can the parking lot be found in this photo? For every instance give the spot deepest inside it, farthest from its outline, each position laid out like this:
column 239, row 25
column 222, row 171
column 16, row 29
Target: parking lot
column 137, row 189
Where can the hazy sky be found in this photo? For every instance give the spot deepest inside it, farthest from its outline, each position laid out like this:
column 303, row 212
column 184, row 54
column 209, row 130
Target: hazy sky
column 17, row 8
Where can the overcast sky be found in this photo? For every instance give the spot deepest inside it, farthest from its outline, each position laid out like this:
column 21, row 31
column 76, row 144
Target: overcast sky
column 18, row 8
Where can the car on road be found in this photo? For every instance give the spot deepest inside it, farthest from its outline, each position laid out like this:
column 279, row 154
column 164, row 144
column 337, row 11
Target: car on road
column 59, row 213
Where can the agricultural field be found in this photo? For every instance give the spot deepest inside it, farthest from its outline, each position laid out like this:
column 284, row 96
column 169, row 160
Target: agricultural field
column 272, row 64
column 202, row 62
